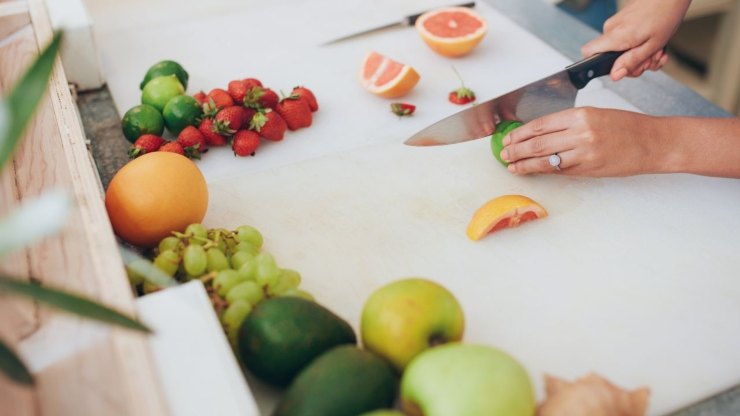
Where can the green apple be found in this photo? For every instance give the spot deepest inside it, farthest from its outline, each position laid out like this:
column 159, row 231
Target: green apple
column 383, row 412
column 408, row 316
column 470, row 380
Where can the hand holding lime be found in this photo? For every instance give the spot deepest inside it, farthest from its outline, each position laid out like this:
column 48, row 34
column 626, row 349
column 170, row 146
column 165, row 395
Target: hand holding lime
column 160, row 90
column 502, row 129
column 142, row 119
column 163, row 68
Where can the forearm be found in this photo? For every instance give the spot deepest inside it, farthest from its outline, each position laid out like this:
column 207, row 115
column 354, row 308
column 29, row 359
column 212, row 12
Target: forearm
column 703, row 146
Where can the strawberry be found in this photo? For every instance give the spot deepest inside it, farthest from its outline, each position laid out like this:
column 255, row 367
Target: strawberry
column 237, row 90
column 403, row 109
column 229, row 120
column 208, row 128
column 306, row 94
column 269, row 125
column 245, row 143
column 462, row 95
column 201, row 97
column 192, row 141
column 252, row 82
column 295, row 111
column 146, row 143
column 260, row 97
column 247, row 114
column 217, row 99
column 173, row 147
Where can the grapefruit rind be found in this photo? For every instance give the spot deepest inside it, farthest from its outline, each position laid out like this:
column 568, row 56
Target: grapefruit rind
column 451, row 46
column 397, row 86
column 506, row 211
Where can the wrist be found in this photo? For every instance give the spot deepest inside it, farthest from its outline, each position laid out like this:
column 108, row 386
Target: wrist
column 667, row 151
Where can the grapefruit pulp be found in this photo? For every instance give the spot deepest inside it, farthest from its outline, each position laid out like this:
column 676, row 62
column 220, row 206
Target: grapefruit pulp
column 505, row 211
column 385, row 77
column 451, row 31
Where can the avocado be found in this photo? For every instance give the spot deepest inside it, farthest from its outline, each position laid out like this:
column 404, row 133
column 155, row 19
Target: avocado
column 344, row 381
column 283, row 334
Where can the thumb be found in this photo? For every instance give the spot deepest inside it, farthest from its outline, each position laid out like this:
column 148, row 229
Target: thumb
column 601, row 44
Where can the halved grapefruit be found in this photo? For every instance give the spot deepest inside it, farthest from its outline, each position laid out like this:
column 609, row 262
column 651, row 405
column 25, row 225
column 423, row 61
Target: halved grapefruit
column 505, row 211
column 451, row 31
column 385, row 77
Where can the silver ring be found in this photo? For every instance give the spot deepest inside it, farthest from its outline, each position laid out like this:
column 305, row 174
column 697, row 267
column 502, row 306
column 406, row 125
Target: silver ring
column 554, row 160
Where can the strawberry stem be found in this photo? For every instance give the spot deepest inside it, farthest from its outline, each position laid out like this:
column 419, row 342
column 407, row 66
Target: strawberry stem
column 459, row 77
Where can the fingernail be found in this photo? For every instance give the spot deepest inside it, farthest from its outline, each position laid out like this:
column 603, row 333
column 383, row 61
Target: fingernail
column 511, row 168
column 507, row 140
column 619, row 74
column 504, row 155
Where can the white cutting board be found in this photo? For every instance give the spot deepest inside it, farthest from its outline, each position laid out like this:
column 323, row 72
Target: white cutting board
column 277, row 41
column 635, row 278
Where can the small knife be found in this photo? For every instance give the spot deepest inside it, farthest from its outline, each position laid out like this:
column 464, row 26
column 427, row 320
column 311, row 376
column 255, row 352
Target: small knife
column 548, row 95
column 406, row 21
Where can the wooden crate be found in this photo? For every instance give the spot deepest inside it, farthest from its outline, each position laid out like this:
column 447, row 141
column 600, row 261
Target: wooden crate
column 81, row 368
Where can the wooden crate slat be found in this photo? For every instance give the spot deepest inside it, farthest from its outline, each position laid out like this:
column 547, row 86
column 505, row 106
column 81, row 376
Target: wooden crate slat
column 111, row 373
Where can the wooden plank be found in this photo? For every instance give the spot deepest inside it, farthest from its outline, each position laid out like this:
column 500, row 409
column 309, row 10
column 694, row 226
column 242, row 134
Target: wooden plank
column 19, row 317
column 81, row 368
column 12, row 20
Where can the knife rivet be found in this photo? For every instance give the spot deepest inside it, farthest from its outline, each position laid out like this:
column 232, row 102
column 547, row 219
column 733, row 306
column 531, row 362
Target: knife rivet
column 590, row 73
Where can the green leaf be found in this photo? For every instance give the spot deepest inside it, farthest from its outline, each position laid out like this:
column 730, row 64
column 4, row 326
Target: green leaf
column 26, row 95
column 69, row 303
column 11, row 365
column 145, row 269
column 34, row 219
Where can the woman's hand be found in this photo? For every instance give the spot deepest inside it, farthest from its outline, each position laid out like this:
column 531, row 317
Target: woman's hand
column 642, row 28
column 589, row 141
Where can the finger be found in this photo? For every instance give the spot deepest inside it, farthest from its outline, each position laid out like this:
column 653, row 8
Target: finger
column 537, row 146
column 542, row 164
column 640, row 70
column 546, row 124
column 655, row 61
column 663, row 60
column 658, row 54
column 612, row 39
column 631, row 61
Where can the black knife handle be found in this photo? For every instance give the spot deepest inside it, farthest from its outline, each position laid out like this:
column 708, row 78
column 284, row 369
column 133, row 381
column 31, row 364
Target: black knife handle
column 411, row 20
column 595, row 66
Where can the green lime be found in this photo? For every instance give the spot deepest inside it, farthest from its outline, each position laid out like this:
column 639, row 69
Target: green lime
column 502, row 129
column 160, row 90
column 142, row 119
column 166, row 68
column 180, row 112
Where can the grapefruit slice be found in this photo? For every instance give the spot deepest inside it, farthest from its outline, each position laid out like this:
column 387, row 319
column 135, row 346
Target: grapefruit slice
column 505, row 211
column 451, row 31
column 385, row 77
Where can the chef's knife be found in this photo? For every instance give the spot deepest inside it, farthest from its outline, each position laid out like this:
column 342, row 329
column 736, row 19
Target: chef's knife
column 548, row 95
column 406, row 21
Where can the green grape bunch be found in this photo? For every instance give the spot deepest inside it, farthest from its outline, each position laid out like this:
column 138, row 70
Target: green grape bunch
column 236, row 271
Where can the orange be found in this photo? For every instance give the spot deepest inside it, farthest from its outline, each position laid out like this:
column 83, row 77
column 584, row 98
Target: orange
column 153, row 195
column 451, row 31
column 385, row 77
column 503, row 212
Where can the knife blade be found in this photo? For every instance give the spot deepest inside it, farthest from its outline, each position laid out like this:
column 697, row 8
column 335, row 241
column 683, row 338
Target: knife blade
column 409, row 20
column 548, row 95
